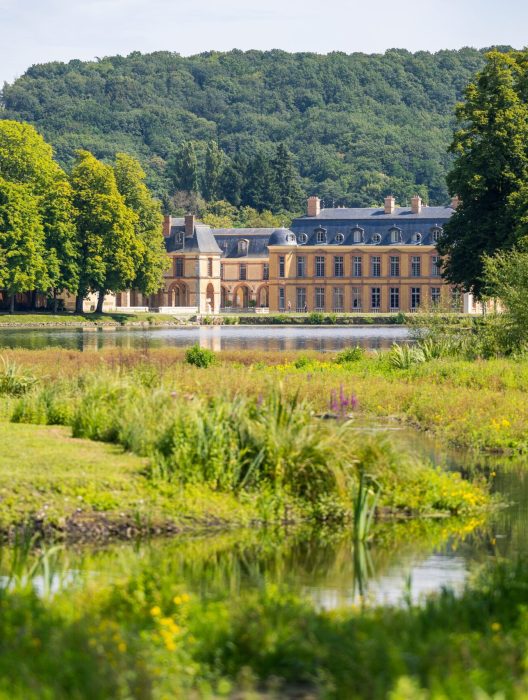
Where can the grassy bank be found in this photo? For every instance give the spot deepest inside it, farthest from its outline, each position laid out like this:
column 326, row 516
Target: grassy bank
column 141, row 634
column 81, row 489
column 480, row 404
column 263, row 445
column 50, row 320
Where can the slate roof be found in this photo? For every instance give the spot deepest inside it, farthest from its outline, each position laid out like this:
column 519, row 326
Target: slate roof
column 228, row 238
column 201, row 241
column 374, row 226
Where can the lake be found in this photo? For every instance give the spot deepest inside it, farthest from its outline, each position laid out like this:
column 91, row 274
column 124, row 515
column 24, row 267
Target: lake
column 275, row 338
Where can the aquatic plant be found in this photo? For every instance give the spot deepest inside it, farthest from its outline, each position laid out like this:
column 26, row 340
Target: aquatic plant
column 14, row 380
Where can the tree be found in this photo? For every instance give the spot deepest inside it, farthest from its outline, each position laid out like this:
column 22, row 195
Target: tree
column 151, row 254
column 184, row 168
column 25, row 158
column 490, row 168
column 106, row 230
column 22, row 240
column 231, row 180
column 214, row 162
column 260, row 188
column 286, row 178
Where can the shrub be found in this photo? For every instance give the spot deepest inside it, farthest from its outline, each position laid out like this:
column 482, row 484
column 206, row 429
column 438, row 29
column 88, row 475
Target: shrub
column 316, row 318
column 13, row 380
column 349, row 355
column 331, row 319
column 405, row 356
column 199, row 357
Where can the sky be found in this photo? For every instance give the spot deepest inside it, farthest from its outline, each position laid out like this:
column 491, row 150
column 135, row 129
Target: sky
column 38, row 31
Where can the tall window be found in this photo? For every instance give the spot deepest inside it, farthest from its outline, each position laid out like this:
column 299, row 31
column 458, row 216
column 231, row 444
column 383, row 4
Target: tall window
column 435, row 295
column 375, row 297
column 281, row 266
column 339, row 266
column 321, row 235
column 416, row 266
column 357, row 266
column 436, row 233
column 222, row 271
column 415, row 297
column 435, row 266
column 209, row 267
column 319, row 298
column 394, row 265
column 242, row 272
column 394, row 298
column 281, row 298
column 356, row 298
column 319, row 266
column 395, row 235
column 375, row 266
column 265, row 271
column 301, row 266
column 357, row 235
column 178, row 267
column 338, row 299
column 301, row 299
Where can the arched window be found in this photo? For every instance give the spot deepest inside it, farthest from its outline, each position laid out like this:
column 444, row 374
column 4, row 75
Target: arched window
column 243, row 246
column 291, row 238
column 339, row 238
column 357, row 235
column 376, row 238
column 417, row 238
column 320, row 235
column 395, row 234
column 303, row 238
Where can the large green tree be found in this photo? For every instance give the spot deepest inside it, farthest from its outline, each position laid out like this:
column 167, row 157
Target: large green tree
column 151, row 254
column 106, row 229
column 183, row 168
column 22, row 240
column 25, row 158
column 287, row 179
column 214, row 164
column 490, row 171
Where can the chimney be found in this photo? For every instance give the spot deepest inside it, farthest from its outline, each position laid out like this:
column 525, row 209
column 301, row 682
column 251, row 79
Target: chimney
column 455, row 202
column 189, row 225
column 166, row 225
column 416, row 204
column 314, row 206
column 390, row 204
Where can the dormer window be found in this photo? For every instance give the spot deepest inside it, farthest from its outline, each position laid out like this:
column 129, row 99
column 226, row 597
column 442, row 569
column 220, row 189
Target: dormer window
column 290, row 238
column 178, row 236
column 243, row 246
column 339, row 238
column 320, row 235
column 376, row 238
column 436, row 232
column 357, row 235
column 417, row 238
column 395, row 235
column 303, row 238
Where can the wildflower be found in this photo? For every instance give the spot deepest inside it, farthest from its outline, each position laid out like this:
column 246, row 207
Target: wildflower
column 122, row 647
column 155, row 611
column 496, row 626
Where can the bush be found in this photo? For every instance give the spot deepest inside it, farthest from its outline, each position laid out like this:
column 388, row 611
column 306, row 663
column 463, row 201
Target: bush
column 316, row 318
column 405, row 356
column 199, row 357
column 13, row 380
column 349, row 355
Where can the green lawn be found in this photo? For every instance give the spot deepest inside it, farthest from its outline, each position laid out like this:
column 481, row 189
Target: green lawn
column 46, row 474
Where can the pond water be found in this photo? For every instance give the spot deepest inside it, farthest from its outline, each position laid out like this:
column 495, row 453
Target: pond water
column 275, row 338
column 407, row 559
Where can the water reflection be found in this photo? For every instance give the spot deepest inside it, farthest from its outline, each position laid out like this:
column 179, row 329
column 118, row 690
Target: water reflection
column 274, row 338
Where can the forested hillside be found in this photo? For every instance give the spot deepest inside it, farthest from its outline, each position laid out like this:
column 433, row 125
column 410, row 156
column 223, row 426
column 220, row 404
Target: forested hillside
column 359, row 126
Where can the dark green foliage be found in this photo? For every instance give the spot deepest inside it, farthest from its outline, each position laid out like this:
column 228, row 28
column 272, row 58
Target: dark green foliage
column 359, row 126
column 199, row 357
column 184, row 168
column 491, row 169
column 349, row 355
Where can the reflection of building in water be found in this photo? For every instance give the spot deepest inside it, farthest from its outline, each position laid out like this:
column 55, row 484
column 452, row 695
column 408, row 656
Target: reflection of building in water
column 376, row 259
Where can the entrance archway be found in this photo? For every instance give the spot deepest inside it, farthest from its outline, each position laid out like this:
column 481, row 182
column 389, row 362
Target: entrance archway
column 178, row 294
column 263, row 296
column 210, row 297
column 241, row 297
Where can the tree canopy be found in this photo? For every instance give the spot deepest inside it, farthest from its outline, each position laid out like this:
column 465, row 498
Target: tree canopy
column 358, row 126
column 490, row 171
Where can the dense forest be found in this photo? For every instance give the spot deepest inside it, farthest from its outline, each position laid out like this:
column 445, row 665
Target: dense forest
column 355, row 127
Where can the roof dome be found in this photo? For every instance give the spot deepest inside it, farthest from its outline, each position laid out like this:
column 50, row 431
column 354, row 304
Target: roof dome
column 282, row 236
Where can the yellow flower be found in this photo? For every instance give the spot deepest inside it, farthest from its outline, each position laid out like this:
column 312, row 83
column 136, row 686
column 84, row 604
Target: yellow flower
column 177, row 600
column 122, row 647
column 495, row 626
column 155, row 611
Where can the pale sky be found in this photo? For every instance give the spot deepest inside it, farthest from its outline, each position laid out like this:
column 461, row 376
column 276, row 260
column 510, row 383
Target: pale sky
column 37, row 31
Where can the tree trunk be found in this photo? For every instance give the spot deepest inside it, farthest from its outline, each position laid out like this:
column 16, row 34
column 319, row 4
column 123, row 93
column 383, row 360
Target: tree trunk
column 55, row 301
column 79, row 304
column 100, row 301
column 33, row 300
column 12, row 304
